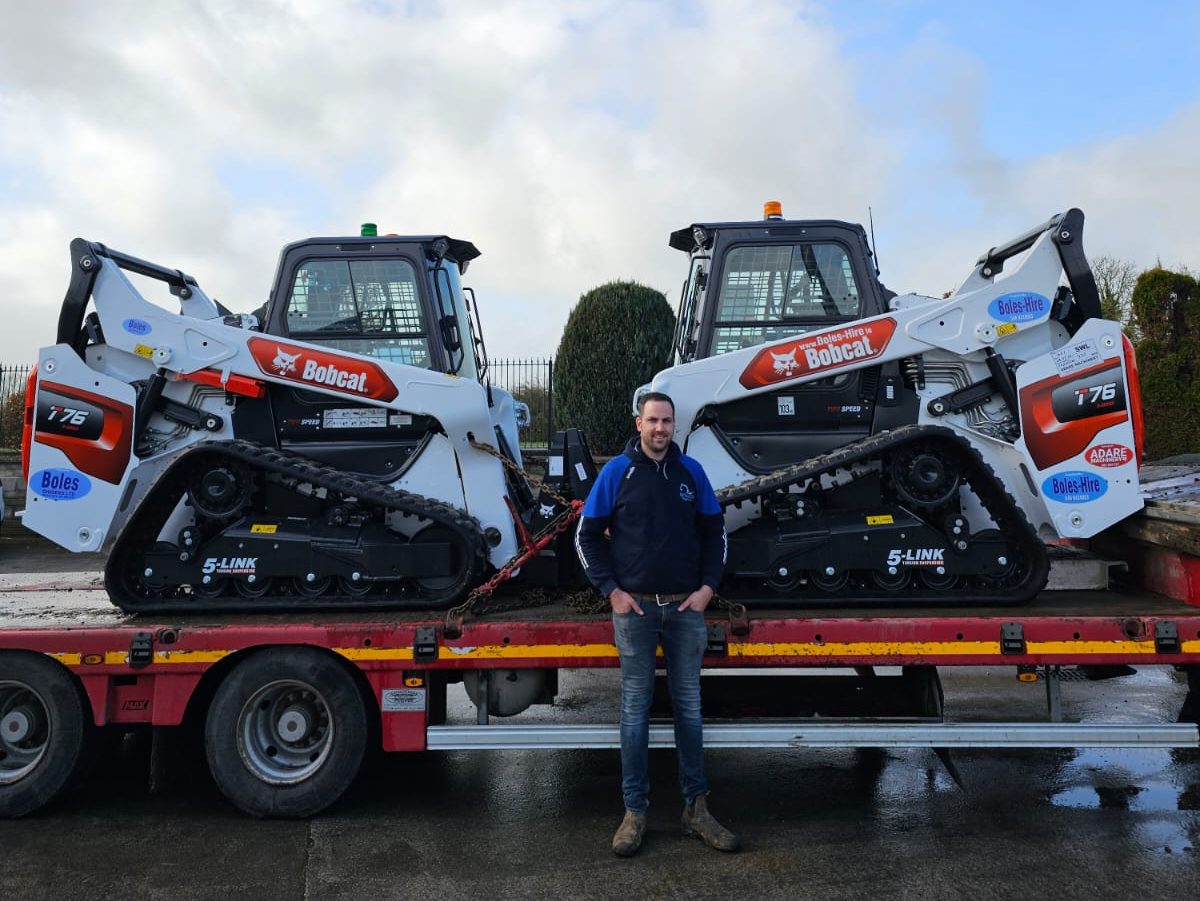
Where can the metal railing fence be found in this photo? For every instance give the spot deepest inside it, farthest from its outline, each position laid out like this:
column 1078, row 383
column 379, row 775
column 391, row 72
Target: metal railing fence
column 12, row 404
column 532, row 382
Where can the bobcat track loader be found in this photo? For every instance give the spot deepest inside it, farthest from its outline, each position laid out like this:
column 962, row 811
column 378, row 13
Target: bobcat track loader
column 882, row 448
column 340, row 447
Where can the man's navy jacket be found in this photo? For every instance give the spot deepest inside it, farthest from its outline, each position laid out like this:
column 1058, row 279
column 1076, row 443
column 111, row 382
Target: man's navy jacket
column 667, row 531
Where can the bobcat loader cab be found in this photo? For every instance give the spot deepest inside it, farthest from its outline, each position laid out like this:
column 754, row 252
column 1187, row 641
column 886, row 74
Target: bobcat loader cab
column 751, row 283
column 395, row 298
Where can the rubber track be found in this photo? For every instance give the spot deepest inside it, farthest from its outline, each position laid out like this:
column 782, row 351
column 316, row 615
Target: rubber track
column 979, row 477
column 143, row 529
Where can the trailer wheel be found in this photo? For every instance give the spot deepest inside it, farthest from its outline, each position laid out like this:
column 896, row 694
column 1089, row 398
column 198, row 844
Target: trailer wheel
column 286, row 733
column 43, row 727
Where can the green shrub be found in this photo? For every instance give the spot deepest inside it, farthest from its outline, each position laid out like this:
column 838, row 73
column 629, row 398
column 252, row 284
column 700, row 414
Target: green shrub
column 616, row 338
column 1166, row 306
column 12, row 419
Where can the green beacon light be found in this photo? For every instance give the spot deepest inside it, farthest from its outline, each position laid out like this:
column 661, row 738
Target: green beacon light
column 370, row 230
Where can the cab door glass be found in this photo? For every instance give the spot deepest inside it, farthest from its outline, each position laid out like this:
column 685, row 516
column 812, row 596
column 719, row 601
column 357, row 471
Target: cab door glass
column 367, row 307
column 690, row 310
column 776, row 291
column 463, row 360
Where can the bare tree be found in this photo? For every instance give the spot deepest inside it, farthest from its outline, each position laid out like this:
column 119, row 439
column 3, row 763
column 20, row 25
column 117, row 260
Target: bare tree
column 1115, row 280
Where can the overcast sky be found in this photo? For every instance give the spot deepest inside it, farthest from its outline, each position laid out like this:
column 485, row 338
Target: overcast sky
column 568, row 139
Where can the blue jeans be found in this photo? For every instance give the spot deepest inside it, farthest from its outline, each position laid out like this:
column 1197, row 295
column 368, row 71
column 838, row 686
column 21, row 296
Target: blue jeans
column 683, row 637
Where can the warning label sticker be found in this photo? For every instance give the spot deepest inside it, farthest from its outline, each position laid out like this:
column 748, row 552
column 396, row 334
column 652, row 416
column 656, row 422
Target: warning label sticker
column 355, row 418
column 400, row 700
column 1076, row 355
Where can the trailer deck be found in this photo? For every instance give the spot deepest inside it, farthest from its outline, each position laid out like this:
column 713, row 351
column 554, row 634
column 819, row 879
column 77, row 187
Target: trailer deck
column 70, row 620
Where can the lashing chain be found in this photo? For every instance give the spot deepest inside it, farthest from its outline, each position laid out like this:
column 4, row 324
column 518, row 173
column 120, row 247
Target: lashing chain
column 557, row 526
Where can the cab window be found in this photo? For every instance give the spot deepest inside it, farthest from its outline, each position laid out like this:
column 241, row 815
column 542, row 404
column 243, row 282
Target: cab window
column 368, row 307
column 778, row 291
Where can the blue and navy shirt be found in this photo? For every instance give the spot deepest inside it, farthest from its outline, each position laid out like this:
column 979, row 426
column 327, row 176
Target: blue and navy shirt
column 666, row 527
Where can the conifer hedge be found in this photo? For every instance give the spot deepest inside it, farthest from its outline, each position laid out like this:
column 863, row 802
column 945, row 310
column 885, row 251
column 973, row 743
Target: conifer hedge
column 616, row 338
column 1166, row 307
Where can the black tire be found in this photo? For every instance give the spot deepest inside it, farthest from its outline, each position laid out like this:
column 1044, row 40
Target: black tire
column 44, row 726
column 286, row 732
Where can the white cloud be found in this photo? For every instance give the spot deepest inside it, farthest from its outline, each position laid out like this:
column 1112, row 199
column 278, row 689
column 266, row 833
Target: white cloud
column 567, row 141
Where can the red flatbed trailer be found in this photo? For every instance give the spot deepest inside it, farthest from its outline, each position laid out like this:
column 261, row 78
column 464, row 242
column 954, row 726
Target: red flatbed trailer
column 291, row 701
column 138, row 670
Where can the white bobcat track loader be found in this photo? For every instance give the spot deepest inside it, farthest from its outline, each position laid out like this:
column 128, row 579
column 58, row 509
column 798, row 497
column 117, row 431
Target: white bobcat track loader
column 880, row 447
column 334, row 456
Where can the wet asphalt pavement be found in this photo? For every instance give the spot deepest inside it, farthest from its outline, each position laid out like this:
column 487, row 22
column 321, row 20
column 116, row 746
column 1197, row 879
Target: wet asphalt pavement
column 537, row 824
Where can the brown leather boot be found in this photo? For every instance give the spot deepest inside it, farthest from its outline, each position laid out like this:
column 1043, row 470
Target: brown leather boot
column 699, row 822
column 628, row 837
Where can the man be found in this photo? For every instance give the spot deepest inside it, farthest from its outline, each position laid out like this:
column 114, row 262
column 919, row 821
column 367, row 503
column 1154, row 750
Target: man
column 659, row 572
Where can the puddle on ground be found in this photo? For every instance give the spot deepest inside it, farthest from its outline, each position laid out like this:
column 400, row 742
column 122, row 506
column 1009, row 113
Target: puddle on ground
column 1138, row 781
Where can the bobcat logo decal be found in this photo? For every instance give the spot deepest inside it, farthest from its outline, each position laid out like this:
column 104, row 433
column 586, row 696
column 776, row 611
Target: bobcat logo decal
column 785, row 364
column 284, row 362
column 546, row 510
column 331, row 372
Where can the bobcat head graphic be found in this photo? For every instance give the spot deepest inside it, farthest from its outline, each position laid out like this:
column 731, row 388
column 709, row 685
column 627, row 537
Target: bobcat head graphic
column 546, row 510
column 284, row 363
column 785, row 364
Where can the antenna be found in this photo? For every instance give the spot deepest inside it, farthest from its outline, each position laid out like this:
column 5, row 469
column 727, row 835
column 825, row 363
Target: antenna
column 874, row 252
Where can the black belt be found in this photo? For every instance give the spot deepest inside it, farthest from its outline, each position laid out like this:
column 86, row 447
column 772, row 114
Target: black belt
column 661, row 599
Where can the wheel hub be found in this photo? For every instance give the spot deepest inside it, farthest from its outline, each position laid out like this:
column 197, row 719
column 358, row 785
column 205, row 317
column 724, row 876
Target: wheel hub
column 220, row 491
column 16, row 726
column 218, row 485
column 924, row 477
column 24, row 731
column 293, row 725
column 285, row 732
column 829, row 581
column 927, row 470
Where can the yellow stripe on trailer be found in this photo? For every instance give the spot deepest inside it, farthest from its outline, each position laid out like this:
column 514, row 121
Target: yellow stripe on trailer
column 865, row 650
column 487, row 652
